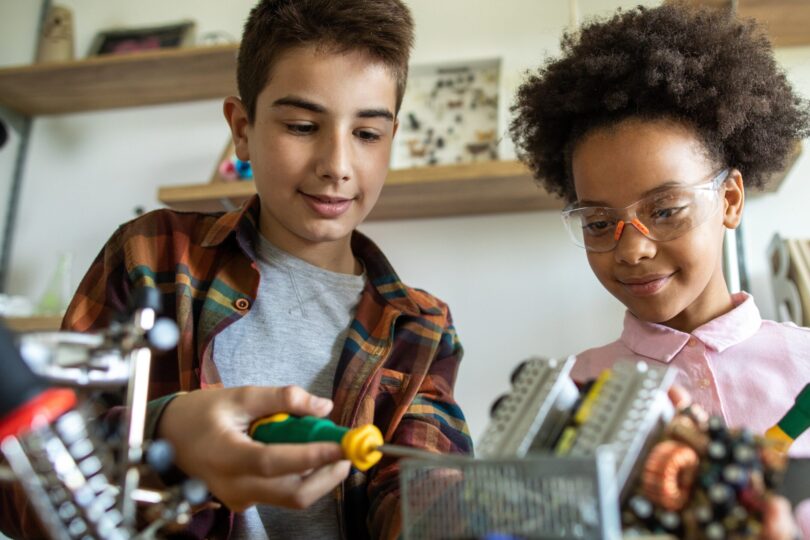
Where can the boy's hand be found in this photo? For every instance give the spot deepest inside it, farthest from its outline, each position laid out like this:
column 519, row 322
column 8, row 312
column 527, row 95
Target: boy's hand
column 208, row 431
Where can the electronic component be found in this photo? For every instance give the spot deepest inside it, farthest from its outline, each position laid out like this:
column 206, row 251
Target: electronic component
column 626, row 409
column 558, row 463
column 534, row 413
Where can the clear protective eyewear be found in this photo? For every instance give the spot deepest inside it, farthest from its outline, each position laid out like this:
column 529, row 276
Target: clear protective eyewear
column 661, row 216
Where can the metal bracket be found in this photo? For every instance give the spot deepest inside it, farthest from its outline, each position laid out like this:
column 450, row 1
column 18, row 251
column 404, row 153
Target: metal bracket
column 22, row 125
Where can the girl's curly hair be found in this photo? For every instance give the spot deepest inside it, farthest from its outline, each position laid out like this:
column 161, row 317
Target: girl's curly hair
column 704, row 68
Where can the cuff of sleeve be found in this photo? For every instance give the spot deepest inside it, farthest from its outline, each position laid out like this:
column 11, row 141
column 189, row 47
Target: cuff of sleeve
column 154, row 410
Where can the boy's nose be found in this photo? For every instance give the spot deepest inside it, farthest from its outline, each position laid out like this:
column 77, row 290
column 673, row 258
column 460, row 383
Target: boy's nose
column 334, row 161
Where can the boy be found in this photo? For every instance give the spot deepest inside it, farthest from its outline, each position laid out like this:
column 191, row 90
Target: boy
column 284, row 292
column 650, row 125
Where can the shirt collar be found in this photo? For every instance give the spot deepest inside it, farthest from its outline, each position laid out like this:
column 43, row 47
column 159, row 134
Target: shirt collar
column 243, row 223
column 663, row 343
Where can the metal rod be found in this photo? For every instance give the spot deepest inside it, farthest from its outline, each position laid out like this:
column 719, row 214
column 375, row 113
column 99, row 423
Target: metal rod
column 137, row 395
column 395, row 450
column 24, row 130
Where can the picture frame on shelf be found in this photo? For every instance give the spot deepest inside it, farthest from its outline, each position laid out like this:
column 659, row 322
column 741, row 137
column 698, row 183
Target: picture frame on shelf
column 449, row 115
column 129, row 40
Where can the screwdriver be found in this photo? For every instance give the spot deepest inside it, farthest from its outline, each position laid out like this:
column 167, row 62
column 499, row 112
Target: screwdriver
column 363, row 445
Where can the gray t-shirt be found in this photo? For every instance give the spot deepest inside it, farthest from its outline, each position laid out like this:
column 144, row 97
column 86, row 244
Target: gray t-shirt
column 293, row 334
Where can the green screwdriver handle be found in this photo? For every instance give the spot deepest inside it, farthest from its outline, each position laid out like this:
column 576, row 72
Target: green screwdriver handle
column 360, row 445
column 797, row 420
column 283, row 428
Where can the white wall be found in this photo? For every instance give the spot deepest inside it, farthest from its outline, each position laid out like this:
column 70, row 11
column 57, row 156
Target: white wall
column 517, row 287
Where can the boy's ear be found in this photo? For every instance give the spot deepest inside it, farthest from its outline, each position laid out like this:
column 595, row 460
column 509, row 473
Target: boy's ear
column 733, row 199
column 237, row 118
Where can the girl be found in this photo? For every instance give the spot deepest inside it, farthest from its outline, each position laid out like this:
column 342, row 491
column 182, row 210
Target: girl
column 651, row 125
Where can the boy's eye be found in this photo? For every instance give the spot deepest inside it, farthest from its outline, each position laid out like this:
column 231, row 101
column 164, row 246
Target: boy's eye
column 301, row 129
column 367, row 135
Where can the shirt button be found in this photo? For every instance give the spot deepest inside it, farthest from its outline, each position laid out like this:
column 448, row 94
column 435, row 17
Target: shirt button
column 704, row 383
column 241, row 304
column 692, row 342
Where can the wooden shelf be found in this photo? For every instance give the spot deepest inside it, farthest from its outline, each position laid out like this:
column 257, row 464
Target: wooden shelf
column 33, row 324
column 786, row 21
column 178, row 75
column 114, row 81
column 445, row 190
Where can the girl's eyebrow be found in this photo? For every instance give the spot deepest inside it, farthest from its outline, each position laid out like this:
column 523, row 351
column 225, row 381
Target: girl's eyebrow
column 652, row 191
column 301, row 103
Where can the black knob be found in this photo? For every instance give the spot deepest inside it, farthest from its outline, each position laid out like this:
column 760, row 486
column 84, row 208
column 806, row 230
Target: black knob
column 516, row 372
column 3, row 134
column 19, row 384
column 147, row 298
column 497, row 403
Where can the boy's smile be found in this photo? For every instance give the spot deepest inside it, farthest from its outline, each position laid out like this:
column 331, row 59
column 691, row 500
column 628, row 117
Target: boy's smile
column 319, row 148
column 678, row 282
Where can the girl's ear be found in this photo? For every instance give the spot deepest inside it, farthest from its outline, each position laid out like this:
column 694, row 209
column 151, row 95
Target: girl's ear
column 237, row 118
column 733, row 192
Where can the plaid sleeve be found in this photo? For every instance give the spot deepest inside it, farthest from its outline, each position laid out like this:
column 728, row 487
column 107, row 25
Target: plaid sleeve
column 433, row 422
column 104, row 290
column 103, row 293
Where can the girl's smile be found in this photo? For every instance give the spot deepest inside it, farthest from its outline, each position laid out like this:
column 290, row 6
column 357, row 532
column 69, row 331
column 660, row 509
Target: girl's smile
column 646, row 285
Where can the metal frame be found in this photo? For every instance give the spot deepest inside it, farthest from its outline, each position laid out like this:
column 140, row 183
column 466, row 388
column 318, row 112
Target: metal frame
column 22, row 125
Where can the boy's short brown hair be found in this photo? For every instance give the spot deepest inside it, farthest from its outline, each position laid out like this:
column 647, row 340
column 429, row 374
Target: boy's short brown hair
column 381, row 28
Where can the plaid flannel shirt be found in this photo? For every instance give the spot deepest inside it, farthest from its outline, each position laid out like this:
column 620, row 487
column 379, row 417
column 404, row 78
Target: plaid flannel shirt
column 397, row 368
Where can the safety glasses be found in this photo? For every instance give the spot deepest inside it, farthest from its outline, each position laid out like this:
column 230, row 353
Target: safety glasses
column 661, row 216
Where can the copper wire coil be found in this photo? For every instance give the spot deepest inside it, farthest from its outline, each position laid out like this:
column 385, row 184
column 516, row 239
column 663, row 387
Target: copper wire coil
column 668, row 475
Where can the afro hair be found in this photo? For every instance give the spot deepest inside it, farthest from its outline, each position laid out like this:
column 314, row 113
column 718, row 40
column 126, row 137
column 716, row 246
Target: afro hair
column 704, row 68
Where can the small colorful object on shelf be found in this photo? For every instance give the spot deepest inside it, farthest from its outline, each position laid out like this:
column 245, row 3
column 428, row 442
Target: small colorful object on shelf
column 233, row 168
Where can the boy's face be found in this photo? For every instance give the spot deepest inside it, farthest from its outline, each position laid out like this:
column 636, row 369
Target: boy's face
column 678, row 282
column 319, row 147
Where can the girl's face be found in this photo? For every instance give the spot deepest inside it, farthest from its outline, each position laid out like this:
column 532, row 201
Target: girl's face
column 679, row 282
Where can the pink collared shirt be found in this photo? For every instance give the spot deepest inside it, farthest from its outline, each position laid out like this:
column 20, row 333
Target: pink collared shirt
column 737, row 366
